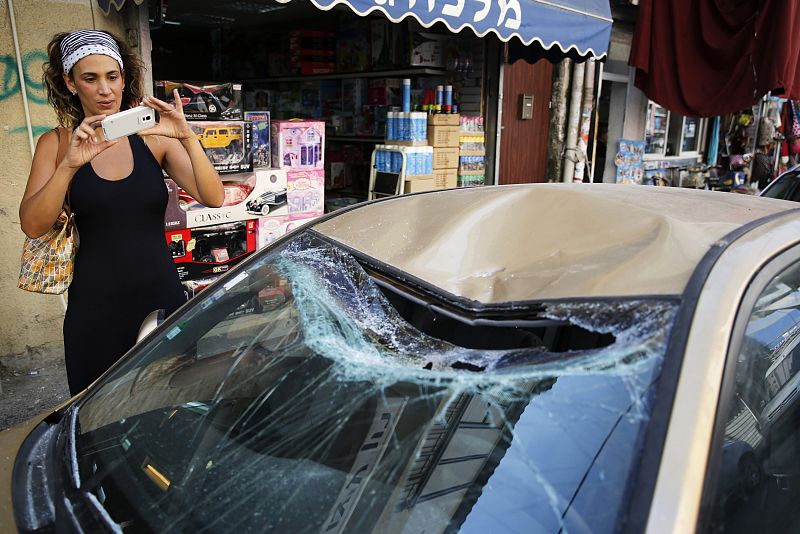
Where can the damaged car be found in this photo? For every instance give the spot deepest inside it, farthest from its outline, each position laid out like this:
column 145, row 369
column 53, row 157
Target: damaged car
column 534, row 358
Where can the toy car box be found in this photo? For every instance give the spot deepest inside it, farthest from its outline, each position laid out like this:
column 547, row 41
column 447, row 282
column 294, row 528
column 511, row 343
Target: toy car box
column 228, row 144
column 221, row 101
column 298, row 144
column 247, row 196
column 200, row 253
column 261, row 146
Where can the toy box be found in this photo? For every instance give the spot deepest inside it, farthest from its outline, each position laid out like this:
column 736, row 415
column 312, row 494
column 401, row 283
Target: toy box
column 228, row 144
column 203, row 252
column 261, row 147
column 247, row 196
column 298, row 144
column 204, row 102
column 305, row 193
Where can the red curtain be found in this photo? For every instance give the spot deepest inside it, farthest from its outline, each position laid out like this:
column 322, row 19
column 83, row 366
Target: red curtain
column 704, row 58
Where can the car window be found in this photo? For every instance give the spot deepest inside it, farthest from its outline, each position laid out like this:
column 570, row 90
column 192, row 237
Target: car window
column 305, row 393
column 756, row 487
column 784, row 187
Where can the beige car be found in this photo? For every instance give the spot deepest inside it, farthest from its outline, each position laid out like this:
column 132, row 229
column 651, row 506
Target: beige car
column 545, row 358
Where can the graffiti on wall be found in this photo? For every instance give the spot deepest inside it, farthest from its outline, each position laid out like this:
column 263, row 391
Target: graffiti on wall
column 10, row 87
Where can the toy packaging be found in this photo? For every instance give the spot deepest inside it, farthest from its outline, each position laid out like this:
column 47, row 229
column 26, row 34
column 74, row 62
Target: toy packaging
column 261, row 146
column 228, row 144
column 298, row 144
column 247, row 196
column 305, row 194
column 204, row 102
column 271, row 228
column 204, row 252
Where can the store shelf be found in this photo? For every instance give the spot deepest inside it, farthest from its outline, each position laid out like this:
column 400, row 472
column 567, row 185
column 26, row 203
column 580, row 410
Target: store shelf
column 421, row 71
column 354, row 139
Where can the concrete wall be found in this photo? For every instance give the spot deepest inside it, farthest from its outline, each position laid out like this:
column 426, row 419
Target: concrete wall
column 30, row 324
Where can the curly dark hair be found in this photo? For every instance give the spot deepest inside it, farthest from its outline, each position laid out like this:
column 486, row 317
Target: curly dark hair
column 68, row 106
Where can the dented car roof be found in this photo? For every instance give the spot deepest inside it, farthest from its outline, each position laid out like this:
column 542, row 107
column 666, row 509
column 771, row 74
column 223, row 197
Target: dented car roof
column 546, row 241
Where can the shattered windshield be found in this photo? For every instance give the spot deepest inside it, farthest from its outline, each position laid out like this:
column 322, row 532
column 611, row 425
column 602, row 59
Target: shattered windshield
column 302, row 395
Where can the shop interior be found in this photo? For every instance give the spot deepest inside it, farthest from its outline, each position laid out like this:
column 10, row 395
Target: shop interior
column 299, row 62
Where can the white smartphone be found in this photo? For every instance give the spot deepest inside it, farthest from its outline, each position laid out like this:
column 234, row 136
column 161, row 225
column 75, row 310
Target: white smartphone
column 128, row 122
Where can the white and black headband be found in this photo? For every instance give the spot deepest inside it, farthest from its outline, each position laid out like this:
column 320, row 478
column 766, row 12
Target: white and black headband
column 77, row 45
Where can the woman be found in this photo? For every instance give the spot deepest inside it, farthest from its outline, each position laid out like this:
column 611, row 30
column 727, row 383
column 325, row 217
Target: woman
column 123, row 269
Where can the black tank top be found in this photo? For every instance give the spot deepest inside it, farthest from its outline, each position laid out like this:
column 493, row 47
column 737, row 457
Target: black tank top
column 123, row 268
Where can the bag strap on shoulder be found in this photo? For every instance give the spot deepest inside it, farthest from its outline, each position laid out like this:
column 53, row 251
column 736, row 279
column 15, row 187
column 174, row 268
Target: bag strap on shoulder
column 63, row 139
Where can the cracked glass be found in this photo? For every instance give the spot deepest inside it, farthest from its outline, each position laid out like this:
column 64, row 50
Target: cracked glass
column 306, row 394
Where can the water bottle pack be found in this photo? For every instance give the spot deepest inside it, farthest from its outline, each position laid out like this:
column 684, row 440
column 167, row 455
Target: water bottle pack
column 472, row 143
column 402, row 126
column 471, row 181
column 472, row 163
column 471, row 124
column 419, row 159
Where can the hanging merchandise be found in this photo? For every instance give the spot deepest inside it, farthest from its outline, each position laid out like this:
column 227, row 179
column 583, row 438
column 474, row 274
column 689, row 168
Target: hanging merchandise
column 794, row 140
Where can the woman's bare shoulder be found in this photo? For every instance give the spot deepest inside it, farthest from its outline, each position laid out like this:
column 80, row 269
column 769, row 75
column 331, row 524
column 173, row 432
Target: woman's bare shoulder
column 158, row 145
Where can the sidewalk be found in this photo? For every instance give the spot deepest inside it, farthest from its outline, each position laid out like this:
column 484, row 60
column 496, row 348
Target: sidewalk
column 30, row 386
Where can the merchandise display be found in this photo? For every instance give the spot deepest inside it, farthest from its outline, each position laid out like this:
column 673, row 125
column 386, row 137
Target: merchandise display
column 472, row 152
column 298, row 144
column 321, row 95
column 261, row 131
column 211, row 250
column 306, row 193
column 228, row 144
column 204, row 102
column 247, row 195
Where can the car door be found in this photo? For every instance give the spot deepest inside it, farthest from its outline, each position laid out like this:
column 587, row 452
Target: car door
column 753, row 475
column 697, row 384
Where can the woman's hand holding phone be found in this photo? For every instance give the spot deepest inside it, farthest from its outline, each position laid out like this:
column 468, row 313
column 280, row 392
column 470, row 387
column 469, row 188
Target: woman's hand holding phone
column 85, row 143
column 172, row 121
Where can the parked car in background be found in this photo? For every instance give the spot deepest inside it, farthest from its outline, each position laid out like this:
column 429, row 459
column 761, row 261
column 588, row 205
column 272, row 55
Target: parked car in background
column 537, row 358
column 785, row 187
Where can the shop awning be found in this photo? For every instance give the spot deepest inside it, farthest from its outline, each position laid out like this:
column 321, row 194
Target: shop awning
column 105, row 5
column 709, row 58
column 581, row 27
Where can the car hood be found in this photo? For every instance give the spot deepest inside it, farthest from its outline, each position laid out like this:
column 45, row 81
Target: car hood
column 544, row 241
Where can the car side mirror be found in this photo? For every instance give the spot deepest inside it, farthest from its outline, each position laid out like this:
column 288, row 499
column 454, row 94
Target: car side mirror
column 153, row 319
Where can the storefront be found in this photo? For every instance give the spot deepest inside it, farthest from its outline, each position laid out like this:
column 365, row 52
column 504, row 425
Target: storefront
column 672, row 143
column 370, row 81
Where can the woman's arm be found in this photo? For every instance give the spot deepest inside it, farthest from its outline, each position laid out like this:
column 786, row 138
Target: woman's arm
column 184, row 159
column 49, row 179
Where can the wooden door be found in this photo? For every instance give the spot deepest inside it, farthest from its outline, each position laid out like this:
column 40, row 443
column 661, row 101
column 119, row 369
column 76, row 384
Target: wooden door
column 523, row 143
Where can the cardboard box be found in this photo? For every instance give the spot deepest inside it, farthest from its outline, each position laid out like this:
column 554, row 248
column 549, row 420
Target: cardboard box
column 445, row 158
column 443, row 136
column 298, row 144
column 261, row 132
column 247, row 196
column 305, row 193
column 204, row 252
column 445, row 178
column 444, row 119
column 418, row 186
column 228, row 144
column 221, row 101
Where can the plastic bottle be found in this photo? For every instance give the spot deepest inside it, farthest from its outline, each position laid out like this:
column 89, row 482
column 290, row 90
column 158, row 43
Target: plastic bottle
column 439, row 97
column 406, row 95
column 448, row 98
column 391, row 125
